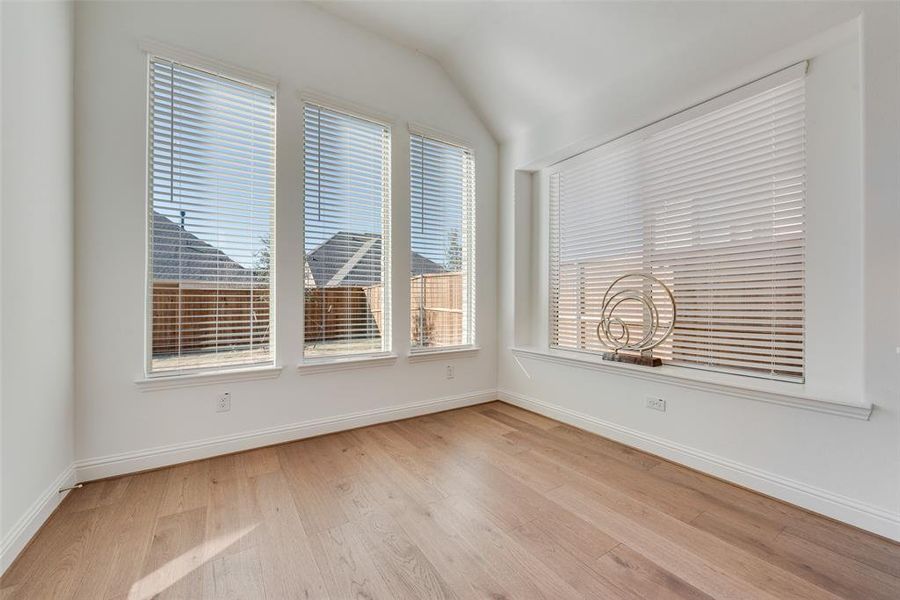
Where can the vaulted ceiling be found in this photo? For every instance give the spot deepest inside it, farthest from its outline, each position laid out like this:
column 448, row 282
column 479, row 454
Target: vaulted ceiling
column 522, row 63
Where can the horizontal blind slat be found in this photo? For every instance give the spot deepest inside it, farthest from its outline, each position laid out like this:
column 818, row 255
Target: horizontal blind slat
column 347, row 233
column 212, row 181
column 442, row 238
column 714, row 207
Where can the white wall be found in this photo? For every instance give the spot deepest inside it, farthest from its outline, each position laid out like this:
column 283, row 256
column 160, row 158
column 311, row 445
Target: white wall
column 36, row 399
column 847, row 468
column 306, row 49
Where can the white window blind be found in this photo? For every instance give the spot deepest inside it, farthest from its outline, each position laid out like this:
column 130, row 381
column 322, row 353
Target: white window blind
column 212, row 195
column 442, row 237
column 711, row 204
column 347, row 167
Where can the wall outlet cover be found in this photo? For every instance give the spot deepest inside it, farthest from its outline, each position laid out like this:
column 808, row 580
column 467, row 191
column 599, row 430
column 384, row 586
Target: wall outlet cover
column 656, row 404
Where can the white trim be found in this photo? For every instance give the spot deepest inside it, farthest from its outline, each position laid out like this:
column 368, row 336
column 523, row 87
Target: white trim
column 311, row 366
column 848, row 510
column 334, row 103
column 206, row 63
column 183, row 379
column 29, row 523
column 773, row 392
column 176, row 379
column 437, row 135
column 161, row 456
column 419, row 356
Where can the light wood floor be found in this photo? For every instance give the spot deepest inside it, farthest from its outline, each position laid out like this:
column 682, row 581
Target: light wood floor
column 484, row 502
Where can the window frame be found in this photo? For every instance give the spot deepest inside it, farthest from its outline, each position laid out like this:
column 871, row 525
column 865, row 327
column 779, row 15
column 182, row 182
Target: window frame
column 153, row 49
column 421, row 354
column 544, row 178
column 313, row 364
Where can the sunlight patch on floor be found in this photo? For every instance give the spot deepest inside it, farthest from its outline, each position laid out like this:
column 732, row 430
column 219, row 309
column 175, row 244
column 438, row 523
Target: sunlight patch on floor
column 171, row 572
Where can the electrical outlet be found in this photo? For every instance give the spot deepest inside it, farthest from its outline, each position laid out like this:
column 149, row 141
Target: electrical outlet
column 450, row 372
column 656, row 404
column 224, row 402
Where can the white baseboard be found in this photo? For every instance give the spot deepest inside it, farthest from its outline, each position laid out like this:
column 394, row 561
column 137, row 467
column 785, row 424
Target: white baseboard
column 862, row 515
column 161, row 456
column 18, row 537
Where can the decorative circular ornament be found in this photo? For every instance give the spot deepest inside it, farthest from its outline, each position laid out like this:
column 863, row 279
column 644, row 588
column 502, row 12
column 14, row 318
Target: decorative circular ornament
column 614, row 332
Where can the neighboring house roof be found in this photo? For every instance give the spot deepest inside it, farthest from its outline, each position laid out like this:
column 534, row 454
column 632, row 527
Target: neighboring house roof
column 179, row 255
column 345, row 259
column 350, row 259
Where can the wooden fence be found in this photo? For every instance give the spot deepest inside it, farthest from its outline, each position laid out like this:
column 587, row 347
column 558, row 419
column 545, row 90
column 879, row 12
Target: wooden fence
column 187, row 319
column 436, row 313
column 340, row 312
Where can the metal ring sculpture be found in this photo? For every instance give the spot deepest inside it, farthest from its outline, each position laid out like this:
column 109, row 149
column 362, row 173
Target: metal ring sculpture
column 613, row 332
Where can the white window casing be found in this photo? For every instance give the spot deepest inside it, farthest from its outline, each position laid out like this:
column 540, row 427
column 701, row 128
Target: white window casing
column 442, row 244
column 347, row 234
column 211, row 212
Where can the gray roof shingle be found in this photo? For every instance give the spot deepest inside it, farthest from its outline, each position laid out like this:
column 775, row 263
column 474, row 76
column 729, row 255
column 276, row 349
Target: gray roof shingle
column 345, row 259
column 351, row 259
column 179, row 255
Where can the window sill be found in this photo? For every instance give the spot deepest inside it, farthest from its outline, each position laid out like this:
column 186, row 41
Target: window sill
column 732, row 385
column 324, row 365
column 167, row 382
column 418, row 356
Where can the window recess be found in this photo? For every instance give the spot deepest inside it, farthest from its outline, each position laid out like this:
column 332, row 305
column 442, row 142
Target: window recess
column 711, row 202
column 347, row 233
column 211, row 203
column 442, row 241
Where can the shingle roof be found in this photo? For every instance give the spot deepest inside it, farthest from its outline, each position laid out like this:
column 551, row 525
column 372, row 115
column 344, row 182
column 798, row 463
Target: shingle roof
column 180, row 255
column 350, row 259
column 345, row 259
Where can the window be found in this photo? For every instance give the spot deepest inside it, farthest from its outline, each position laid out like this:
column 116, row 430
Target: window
column 712, row 203
column 442, row 238
column 211, row 203
column 347, row 196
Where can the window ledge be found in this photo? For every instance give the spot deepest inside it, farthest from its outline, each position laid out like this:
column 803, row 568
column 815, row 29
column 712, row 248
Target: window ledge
column 722, row 383
column 417, row 356
column 166, row 382
column 324, row 365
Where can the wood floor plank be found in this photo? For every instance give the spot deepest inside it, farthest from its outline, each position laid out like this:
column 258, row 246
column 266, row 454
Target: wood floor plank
column 346, row 566
column 630, row 456
column 670, row 555
column 714, row 494
column 739, row 564
column 405, row 568
column 232, row 570
column 66, row 556
column 288, row 567
column 631, row 571
column 187, row 488
column 534, row 419
column 516, row 569
column 681, row 504
column 172, row 567
column 385, row 452
column 117, row 550
column 488, row 501
column 587, row 582
column 573, row 534
column 464, row 572
column 876, row 552
column 820, row 566
column 315, row 500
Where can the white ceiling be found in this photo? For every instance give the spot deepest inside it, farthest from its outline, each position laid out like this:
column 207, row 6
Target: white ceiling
column 521, row 63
